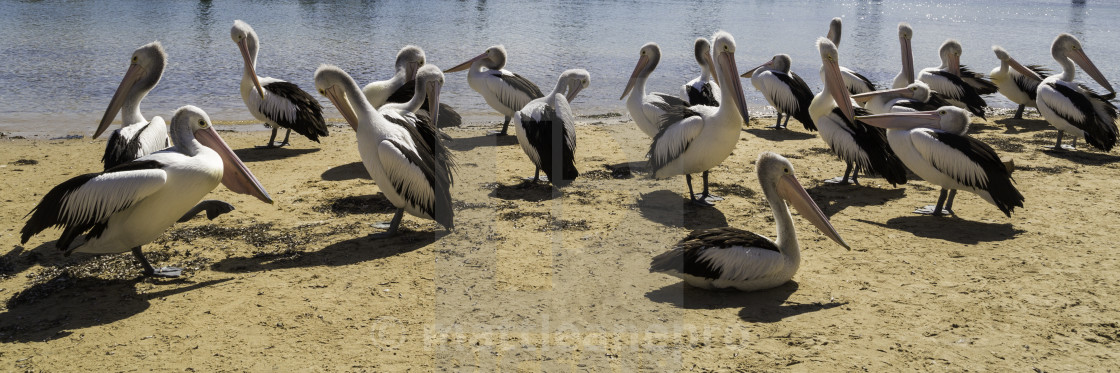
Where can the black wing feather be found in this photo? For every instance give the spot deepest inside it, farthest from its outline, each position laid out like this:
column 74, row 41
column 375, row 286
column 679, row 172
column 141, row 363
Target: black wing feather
column 684, row 257
column 1028, row 85
column 999, row 184
column 120, row 150
column 543, row 135
column 881, row 159
column 975, row 104
column 520, row 84
column 978, row 82
column 309, row 114
column 672, row 114
column 871, row 86
column 702, row 96
column 431, row 139
column 1099, row 132
column 438, row 176
column 448, row 117
column 804, row 97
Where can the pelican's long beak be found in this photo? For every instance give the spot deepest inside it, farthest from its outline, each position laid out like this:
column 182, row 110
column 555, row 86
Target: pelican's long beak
column 727, row 64
column 1030, row 74
column 907, row 60
column 750, row 73
column 837, row 89
column 465, row 65
column 903, row 121
column 410, row 71
column 955, row 65
column 235, row 175
column 573, row 91
column 135, row 71
column 243, row 45
column 711, row 66
column 864, row 97
column 433, row 90
column 791, row 190
column 643, row 61
column 1086, row 64
column 338, row 98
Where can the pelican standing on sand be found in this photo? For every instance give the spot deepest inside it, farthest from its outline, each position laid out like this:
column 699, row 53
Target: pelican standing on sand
column 399, row 88
column 860, row 146
column 412, row 177
column 428, row 83
column 956, row 83
column 1013, row 83
column 695, row 139
column 935, row 146
column 647, row 110
column 132, row 204
column 704, row 90
column 137, row 136
column 1075, row 108
column 503, row 90
column 734, row 258
column 546, row 129
column 855, row 82
column 275, row 102
column 784, row 90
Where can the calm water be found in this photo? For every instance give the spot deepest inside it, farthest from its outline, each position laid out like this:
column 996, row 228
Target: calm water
column 61, row 60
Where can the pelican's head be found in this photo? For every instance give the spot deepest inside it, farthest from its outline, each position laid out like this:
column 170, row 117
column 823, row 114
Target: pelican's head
column 493, row 58
column 917, row 91
column 951, row 56
column 574, row 80
column 191, row 122
column 776, row 175
column 409, row 59
column 702, row 51
column 834, row 31
column 1005, row 58
column 429, row 80
column 144, row 71
column 648, row 58
column 905, row 33
column 950, row 119
column 723, row 55
column 332, row 82
column 1067, row 46
column 780, row 62
column 246, row 40
column 833, row 81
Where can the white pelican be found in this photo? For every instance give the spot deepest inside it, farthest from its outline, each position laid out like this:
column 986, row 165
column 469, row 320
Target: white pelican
column 860, row 146
column 503, row 90
column 784, row 90
column 132, row 204
column 647, row 110
column 734, row 258
column 428, row 83
column 935, row 146
column 410, row 176
column 955, row 82
column 704, row 90
column 275, row 102
column 695, row 139
column 1075, row 108
column 915, row 97
column 906, row 76
column 137, row 136
column 399, row 88
column 855, row 82
column 546, row 129
column 1018, row 87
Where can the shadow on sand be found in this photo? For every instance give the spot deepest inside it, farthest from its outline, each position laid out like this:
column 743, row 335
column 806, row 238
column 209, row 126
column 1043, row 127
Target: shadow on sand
column 526, row 191
column 779, row 135
column 469, row 143
column 674, row 210
column 341, row 253
column 835, row 198
column 951, row 229
column 349, row 171
column 1084, row 156
column 263, row 155
column 764, row 306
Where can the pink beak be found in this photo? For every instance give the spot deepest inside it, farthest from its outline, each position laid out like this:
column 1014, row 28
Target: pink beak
column 235, row 175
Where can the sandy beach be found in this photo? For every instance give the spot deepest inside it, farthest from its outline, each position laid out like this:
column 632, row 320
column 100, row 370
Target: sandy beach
column 534, row 278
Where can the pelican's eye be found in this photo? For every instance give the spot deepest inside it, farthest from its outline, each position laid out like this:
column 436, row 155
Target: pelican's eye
column 914, row 89
column 786, row 170
column 202, row 123
column 942, row 112
column 322, row 92
column 134, row 59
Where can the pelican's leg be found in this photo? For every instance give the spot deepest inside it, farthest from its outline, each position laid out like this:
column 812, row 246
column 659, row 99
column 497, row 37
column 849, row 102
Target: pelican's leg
column 1072, row 144
column 536, row 177
column 149, row 271
column 286, row 136
column 778, row 124
column 949, row 202
column 1058, row 147
column 855, row 174
column 271, row 140
column 214, row 208
column 393, row 225
column 842, row 180
column 705, row 196
column 1019, row 112
column 936, row 210
column 505, row 128
column 692, row 196
column 786, row 124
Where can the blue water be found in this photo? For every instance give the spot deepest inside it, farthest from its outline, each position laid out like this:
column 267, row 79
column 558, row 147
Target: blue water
column 61, row 60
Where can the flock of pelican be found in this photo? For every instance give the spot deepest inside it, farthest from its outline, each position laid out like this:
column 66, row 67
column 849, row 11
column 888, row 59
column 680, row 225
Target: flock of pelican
column 156, row 174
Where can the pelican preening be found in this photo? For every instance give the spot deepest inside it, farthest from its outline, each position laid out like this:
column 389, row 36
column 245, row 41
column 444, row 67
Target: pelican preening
column 704, row 90
column 695, row 139
column 860, row 146
column 1017, row 82
column 503, row 90
column 413, row 177
column 730, row 257
column 935, row 146
column 915, row 97
column 1075, row 108
column 546, row 129
column 137, row 136
column 428, row 82
column 275, row 102
column 958, row 85
column 784, row 90
column 399, row 88
column 132, row 204
column 855, row 82
column 647, row 110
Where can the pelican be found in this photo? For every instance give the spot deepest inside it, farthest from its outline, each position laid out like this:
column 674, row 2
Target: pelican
column 734, row 258
column 503, row 90
column 428, row 83
column 855, row 82
column 137, row 136
column 399, row 88
column 412, row 177
column 1017, row 86
column 275, row 102
column 132, row 204
column 1075, row 108
column 546, row 129
column 859, row 145
column 695, row 139
column 647, row 110
column 955, row 82
column 915, row 97
column 785, row 91
column 935, row 146
column 704, row 90
column 906, row 76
